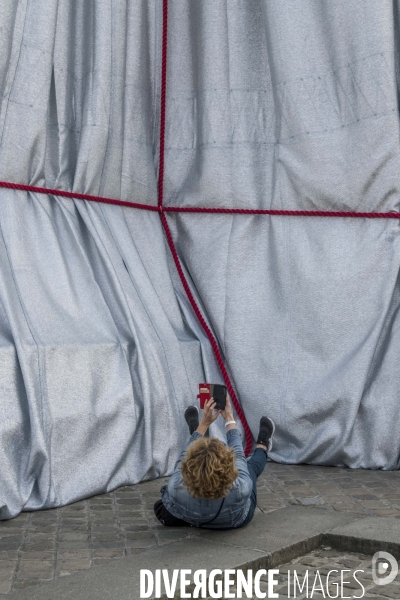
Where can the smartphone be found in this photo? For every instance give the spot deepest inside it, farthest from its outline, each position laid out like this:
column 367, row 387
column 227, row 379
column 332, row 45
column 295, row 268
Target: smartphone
column 212, row 390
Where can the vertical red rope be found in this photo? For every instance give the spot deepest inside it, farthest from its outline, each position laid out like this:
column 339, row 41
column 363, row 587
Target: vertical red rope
column 163, row 103
column 213, row 341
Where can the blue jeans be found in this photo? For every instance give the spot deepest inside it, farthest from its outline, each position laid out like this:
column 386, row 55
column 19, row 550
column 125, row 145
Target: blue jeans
column 256, row 465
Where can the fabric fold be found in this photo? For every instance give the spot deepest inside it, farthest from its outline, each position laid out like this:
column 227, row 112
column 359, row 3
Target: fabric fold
column 268, row 106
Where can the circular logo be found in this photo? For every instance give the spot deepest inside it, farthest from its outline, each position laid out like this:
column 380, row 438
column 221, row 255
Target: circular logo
column 383, row 562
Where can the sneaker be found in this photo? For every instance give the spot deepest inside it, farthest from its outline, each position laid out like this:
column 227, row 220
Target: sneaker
column 192, row 418
column 266, row 432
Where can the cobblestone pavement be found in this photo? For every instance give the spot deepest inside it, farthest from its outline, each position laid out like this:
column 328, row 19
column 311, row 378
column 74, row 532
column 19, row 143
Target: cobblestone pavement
column 323, row 561
column 42, row 545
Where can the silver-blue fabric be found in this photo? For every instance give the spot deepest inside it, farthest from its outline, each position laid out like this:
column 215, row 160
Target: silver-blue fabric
column 270, row 104
column 202, row 511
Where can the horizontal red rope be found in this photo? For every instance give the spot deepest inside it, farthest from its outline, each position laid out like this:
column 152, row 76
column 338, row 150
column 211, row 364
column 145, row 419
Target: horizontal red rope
column 283, row 213
column 213, row 341
column 195, row 209
column 75, row 195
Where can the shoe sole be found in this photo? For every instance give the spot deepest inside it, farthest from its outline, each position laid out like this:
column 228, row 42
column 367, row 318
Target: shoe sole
column 192, row 406
column 189, row 422
column 269, row 447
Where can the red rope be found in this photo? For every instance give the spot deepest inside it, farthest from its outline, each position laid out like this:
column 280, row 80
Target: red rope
column 213, row 341
column 209, row 334
column 163, row 103
column 195, row 209
column 76, row 195
column 283, row 213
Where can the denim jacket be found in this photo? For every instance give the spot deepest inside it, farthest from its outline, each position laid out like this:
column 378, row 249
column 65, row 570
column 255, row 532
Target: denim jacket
column 196, row 511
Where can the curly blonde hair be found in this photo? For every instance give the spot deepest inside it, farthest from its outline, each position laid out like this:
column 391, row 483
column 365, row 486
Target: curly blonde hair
column 208, row 469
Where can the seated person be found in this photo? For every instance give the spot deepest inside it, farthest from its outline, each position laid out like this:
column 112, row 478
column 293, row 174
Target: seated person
column 213, row 485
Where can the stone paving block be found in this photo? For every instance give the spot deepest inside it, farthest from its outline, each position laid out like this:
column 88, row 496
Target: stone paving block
column 109, row 553
column 313, row 501
column 127, row 522
column 328, row 553
column 26, row 583
column 73, row 530
column 8, row 555
column 300, row 568
column 389, row 512
column 73, row 554
column 37, row 555
column 378, row 484
column 345, row 508
column 134, row 551
column 142, row 535
column 131, row 514
column 71, row 511
column 374, row 504
column 74, row 522
column 123, row 501
column 175, row 534
column 39, row 545
column 10, row 531
column 7, row 570
column 141, row 543
column 345, row 501
column 12, row 542
column 135, row 528
column 45, row 515
column 100, row 508
column 74, row 545
column 48, row 523
column 5, row 586
column 67, row 537
column 390, row 494
column 106, row 519
column 12, row 525
column 387, row 591
column 35, row 570
column 43, row 529
column 312, row 561
column 66, row 567
column 33, row 536
column 349, row 562
column 270, row 507
column 110, row 527
column 109, row 544
column 127, row 495
column 112, row 541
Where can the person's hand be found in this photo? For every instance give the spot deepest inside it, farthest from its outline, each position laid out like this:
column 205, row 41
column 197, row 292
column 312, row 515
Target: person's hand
column 228, row 412
column 209, row 416
column 209, row 413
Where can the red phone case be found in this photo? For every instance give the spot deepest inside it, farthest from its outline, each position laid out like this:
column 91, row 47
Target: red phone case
column 205, row 393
